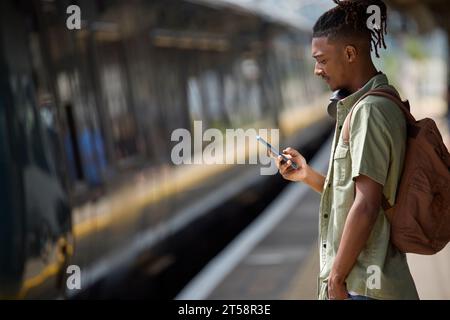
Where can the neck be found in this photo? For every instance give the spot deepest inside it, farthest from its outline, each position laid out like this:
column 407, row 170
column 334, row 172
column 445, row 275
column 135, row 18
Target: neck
column 361, row 78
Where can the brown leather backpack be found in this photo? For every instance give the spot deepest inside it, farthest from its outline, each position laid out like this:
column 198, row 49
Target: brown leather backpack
column 420, row 217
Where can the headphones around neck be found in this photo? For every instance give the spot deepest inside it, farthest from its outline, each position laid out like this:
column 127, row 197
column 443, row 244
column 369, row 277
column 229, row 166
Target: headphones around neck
column 334, row 99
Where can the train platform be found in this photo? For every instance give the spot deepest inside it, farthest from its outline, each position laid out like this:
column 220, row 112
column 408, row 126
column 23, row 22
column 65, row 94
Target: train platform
column 276, row 257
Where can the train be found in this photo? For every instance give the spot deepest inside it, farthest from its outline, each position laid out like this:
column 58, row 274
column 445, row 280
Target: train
column 86, row 116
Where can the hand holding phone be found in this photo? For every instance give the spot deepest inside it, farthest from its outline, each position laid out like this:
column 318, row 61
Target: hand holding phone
column 276, row 152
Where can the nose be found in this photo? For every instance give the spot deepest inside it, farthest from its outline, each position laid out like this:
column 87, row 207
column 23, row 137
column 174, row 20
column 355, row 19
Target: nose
column 317, row 70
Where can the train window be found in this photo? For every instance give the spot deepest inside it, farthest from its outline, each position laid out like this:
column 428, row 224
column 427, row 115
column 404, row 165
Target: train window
column 194, row 99
column 46, row 111
column 113, row 79
column 230, row 99
column 210, row 88
column 84, row 145
column 248, row 90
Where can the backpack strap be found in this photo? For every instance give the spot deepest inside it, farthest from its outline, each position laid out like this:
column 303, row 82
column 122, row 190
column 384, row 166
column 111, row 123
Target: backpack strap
column 387, row 93
column 394, row 97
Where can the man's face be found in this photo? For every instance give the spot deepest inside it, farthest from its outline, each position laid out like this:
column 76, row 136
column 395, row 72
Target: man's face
column 331, row 63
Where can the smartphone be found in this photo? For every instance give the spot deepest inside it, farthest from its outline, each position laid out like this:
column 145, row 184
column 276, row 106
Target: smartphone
column 275, row 151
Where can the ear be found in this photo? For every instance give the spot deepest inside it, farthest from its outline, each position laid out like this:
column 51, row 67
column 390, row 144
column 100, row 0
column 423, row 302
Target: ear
column 351, row 53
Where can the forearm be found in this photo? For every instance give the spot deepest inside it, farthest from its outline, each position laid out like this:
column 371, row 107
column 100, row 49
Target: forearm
column 314, row 179
column 357, row 229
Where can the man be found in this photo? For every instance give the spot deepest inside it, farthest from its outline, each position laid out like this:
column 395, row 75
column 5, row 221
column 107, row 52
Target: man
column 357, row 260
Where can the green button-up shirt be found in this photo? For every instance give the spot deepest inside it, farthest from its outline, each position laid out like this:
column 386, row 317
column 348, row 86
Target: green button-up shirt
column 376, row 149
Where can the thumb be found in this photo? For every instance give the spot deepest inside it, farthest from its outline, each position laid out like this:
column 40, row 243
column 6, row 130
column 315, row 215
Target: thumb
column 292, row 152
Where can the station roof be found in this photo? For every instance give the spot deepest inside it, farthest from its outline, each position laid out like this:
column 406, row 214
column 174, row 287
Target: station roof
column 427, row 13
column 302, row 14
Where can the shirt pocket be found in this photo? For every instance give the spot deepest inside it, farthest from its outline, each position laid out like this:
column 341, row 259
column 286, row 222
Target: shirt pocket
column 341, row 164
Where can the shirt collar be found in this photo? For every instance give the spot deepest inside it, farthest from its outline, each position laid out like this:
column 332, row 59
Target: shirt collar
column 377, row 81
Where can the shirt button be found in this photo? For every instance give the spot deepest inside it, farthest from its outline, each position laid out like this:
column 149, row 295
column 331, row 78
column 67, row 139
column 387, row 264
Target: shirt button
column 329, row 185
column 340, row 127
column 324, row 245
column 325, row 216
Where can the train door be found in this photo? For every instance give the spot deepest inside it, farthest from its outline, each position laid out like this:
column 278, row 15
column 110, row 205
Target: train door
column 12, row 208
column 39, row 227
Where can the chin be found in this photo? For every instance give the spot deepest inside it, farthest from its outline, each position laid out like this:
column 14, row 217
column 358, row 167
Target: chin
column 333, row 88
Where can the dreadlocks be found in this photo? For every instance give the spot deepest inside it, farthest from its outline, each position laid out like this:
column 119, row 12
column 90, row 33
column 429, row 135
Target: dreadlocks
column 349, row 19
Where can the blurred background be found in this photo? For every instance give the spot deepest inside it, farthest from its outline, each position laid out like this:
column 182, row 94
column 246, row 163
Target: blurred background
column 86, row 118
